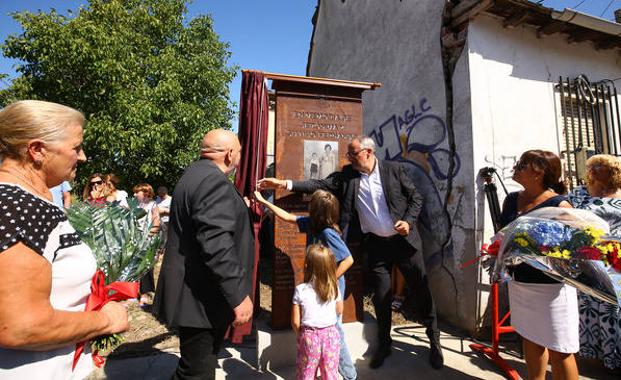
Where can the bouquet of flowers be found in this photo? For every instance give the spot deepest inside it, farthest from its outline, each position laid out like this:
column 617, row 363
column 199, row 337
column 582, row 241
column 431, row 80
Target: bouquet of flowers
column 124, row 251
column 569, row 245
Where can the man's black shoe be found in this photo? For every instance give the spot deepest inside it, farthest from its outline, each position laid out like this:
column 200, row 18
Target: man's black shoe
column 436, row 358
column 379, row 356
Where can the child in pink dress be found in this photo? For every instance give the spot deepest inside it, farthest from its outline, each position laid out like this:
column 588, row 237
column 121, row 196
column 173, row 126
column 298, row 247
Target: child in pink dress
column 317, row 304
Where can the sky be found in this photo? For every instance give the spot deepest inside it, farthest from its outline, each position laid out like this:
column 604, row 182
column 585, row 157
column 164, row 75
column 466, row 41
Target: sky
column 278, row 44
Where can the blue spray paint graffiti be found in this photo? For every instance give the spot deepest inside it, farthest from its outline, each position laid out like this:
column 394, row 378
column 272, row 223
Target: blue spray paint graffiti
column 415, row 138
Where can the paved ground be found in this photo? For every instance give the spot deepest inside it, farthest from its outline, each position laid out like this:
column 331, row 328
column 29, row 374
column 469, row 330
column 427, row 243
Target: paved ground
column 409, row 360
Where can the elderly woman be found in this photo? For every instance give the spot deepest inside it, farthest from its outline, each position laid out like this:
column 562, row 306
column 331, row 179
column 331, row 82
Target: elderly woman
column 543, row 311
column 600, row 325
column 45, row 269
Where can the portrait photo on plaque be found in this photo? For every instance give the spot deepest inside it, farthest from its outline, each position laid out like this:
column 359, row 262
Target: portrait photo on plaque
column 320, row 158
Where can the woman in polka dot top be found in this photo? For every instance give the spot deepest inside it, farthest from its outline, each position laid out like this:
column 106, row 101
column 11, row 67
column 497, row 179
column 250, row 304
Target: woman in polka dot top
column 45, row 269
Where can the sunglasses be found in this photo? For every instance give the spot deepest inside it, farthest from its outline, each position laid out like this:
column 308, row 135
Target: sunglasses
column 520, row 165
column 96, row 182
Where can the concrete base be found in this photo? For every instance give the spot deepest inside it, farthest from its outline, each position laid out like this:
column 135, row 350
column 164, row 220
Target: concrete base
column 277, row 348
column 409, row 359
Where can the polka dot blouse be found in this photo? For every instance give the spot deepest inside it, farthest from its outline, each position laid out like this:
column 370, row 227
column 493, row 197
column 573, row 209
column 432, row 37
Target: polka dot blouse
column 43, row 227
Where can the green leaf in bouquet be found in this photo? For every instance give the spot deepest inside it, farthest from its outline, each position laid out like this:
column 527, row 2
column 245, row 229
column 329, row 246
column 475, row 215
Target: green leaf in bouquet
column 118, row 237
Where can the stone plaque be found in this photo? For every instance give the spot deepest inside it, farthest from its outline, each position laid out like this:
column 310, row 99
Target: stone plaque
column 314, row 124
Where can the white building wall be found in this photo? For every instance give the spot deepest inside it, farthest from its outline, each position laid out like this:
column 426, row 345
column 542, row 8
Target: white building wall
column 514, row 106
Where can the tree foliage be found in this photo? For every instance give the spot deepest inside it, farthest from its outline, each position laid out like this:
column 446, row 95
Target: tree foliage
column 150, row 83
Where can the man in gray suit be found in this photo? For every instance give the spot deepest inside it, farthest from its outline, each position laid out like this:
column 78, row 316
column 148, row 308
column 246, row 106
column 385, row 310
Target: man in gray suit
column 379, row 207
column 206, row 277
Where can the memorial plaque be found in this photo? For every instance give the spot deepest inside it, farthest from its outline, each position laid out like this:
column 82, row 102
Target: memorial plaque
column 314, row 124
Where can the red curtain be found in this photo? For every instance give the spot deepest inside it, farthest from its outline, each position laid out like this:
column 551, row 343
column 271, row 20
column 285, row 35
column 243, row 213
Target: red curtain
column 252, row 133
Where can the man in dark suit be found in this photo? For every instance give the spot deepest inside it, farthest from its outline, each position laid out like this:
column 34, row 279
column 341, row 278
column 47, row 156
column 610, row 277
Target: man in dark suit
column 206, row 276
column 379, row 206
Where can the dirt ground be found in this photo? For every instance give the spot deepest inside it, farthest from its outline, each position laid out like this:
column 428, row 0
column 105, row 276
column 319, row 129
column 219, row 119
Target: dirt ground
column 147, row 335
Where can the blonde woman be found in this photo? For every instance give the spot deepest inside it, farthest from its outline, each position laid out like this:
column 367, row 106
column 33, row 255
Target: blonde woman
column 600, row 323
column 45, row 269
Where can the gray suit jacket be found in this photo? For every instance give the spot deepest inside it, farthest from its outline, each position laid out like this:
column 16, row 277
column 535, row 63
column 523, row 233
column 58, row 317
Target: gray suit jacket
column 404, row 200
column 208, row 265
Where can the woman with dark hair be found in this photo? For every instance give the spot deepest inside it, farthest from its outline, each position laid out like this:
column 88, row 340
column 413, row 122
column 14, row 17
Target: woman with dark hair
column 95, row 189
column 327, row 162
column 543, row 311
column 600, row 322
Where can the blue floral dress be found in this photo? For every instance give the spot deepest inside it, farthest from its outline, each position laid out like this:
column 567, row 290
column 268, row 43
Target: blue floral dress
column 600, row 322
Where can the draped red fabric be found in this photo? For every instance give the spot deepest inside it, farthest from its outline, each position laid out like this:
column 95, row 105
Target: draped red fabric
column 252, row 133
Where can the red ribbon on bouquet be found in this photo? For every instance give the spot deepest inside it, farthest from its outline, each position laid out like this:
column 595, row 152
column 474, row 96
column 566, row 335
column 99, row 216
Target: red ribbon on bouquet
column 489, row 250
column 101, row 295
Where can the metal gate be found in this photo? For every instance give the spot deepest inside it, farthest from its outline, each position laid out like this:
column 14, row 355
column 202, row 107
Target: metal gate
column 589, row 114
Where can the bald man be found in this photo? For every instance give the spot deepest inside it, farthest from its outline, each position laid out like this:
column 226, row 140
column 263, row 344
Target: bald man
column 206, row 277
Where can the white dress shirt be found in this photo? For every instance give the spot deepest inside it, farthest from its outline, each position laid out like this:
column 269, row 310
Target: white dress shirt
column 372, row 206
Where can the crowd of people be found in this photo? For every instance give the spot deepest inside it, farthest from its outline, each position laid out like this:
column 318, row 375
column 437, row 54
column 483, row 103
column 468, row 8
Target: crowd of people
column 205, row 283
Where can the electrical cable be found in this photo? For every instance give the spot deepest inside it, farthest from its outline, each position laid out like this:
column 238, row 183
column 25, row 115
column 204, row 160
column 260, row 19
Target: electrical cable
column 579, row 4
column 608, row 6
column 501, row 183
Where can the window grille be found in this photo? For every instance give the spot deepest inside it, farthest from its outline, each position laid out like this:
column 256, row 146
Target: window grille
column 589, row 122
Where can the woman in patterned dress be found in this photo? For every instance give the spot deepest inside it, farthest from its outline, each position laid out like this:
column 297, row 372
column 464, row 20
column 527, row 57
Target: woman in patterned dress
column 600, row 325
column 45, row 269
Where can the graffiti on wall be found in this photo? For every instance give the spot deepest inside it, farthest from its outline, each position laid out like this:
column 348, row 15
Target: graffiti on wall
column 416, row 137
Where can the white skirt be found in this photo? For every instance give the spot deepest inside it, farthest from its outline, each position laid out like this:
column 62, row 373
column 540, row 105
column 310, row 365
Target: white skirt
column 546, row 314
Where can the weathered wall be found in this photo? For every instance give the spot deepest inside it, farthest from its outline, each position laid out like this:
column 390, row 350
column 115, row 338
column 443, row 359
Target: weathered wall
column 514, row 107
column 397, row 43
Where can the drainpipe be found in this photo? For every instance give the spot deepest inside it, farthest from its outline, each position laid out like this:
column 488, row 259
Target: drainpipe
column 584, row 20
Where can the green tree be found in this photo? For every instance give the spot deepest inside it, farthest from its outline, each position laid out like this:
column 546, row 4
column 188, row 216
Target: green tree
column 150, row 83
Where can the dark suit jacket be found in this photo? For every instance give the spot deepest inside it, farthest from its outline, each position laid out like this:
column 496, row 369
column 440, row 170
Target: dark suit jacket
column 404, row 200
column 208, row 266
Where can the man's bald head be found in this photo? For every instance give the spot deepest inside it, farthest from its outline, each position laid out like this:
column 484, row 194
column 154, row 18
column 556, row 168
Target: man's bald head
column 218, row 140
column 223, row 148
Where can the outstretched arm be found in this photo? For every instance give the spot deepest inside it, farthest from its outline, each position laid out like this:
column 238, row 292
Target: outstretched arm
column 331, row 183
column 282, row 214
column 271, row 184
